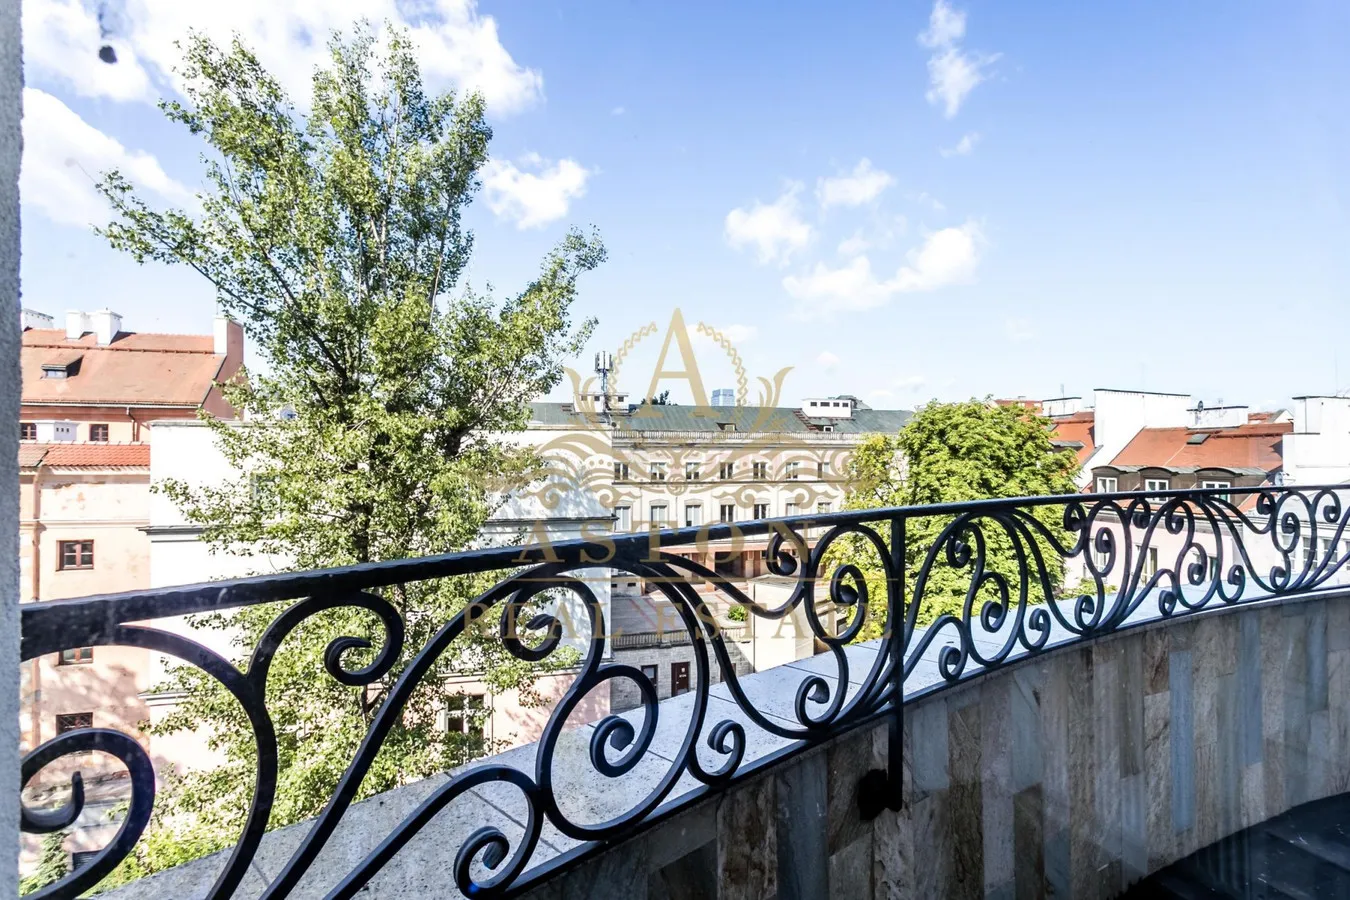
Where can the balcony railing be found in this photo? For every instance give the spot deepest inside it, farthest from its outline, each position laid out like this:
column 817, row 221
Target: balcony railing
column 968, row 586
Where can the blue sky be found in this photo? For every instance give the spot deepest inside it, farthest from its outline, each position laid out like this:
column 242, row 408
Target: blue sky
column 901, row 201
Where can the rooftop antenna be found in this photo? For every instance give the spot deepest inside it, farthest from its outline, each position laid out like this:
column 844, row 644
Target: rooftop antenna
column 604, row 364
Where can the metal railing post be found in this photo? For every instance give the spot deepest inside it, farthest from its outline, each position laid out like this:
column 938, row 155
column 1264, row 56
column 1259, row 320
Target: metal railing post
column 884, row 788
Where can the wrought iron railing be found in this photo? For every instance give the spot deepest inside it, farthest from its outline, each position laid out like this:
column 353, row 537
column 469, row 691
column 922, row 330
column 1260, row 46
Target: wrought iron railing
column 980, row 582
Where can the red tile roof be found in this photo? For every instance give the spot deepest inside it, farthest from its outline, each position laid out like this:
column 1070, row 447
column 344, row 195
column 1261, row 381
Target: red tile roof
column 1251, row 446
column 1024, row 403
column 97, row 456
column 135, row 369
column 1079, row 428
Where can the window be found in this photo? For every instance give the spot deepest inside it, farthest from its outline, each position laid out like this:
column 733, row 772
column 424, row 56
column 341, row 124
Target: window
column 28, row 431
column 823, row 506
column 1151, row 562
column 791, row 470
column 761, row 511
column 1153, row 485
column 691, row 471
column 1107, row 484
column 1217, row 484
column 77, row 656
column 726, row 512
column 822, row 469
column 98, row 432
column 621, row 471
column 726, row 471
column 623, row 518
column 727, row 426
column 679, row 678
column 70, row 721
column 693, row 515
column 658, row 514
column 791, row 509
column 1099, row 559
column 464, row 714
column 652, row 674
column 659, row 471
column 76, row 554
column 759, row 471
column 828, row 429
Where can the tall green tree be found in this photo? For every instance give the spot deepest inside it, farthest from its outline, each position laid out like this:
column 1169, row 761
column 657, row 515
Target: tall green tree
column 949, row 453
column 374, row 426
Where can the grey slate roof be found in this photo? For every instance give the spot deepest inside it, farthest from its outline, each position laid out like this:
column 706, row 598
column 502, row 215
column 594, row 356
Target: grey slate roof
column 747, row 419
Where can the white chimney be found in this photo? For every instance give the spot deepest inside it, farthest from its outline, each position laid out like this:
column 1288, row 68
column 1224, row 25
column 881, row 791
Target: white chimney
column 77, row 323
column 31, row 318
column 221, row 334
column 105, row 325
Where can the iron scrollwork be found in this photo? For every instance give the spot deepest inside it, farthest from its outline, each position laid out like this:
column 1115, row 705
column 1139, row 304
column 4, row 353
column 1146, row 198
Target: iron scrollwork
column 1180, row 552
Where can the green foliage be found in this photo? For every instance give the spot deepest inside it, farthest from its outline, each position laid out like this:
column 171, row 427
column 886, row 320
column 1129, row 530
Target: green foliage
column 53, row 864
column 737, row 613
column 948, row 453
column 661, row 399
column 335, row 239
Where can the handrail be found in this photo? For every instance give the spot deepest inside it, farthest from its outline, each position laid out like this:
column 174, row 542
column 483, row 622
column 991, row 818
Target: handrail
column 986, row 577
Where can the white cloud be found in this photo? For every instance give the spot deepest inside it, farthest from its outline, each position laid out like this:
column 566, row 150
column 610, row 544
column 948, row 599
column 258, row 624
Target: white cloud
column 1019, row 330
column 862, row 185
column 617, row 111
column 533, row 199
column 952, row 73
column 63, row 156
column 827, row 359
column 456, row 45
column 851, row 286
column 775, row 230
column 963, row 147
column 945, row 26
column 63, row 37
column 910, row 383
column 945, row 258
column 928, row 199
column 855, row 245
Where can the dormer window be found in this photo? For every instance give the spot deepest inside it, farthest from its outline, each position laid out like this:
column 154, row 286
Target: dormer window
column 62, row 367
column 727, row 426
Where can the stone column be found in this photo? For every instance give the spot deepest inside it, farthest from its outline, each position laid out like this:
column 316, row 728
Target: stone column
column 11, row 92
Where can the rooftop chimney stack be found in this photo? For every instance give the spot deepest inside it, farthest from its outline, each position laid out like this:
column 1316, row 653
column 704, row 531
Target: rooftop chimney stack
column 106, row 324
column 221, row 335
column 76, row 324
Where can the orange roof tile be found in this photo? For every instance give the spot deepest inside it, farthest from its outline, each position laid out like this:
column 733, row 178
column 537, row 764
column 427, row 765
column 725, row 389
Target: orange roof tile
column 95, row 455
column 1078, row 427
column 1251, row 446
column 31, row 454
column 135, row 369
